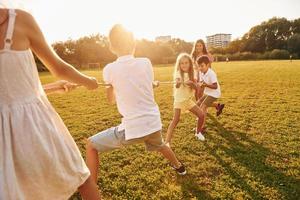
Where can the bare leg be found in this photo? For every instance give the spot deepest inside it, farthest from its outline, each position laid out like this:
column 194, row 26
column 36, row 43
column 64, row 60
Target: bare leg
column 199, row 113
column 89, row 190
column 173, row 125
column 215, row 105
column 203, row 109
column 92, row 160
column 199, row 93
column 168, row 153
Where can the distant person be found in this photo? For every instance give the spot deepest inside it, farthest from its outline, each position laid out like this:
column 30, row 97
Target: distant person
column 291, row 58
column 38, row 157
column 227, row 59
column 209, row 82
column 184, row 91
column 199, row 49
column 131, row 88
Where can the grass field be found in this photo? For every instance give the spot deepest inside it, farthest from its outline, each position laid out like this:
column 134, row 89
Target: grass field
column 252, row 150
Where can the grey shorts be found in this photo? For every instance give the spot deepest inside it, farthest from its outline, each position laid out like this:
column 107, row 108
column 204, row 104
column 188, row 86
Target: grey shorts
column 111, row 138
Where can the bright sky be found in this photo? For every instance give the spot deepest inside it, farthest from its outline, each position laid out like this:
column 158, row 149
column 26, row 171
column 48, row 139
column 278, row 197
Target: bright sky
column 186, row 19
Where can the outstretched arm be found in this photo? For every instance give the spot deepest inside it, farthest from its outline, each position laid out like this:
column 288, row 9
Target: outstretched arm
column 49, row 58
column 60, row 86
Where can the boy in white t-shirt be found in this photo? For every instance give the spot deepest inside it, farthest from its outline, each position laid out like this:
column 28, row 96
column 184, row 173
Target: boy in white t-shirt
column 131, row 81
column 212, row 90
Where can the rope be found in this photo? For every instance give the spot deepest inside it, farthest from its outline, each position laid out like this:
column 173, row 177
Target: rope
column 103, row 84
column 159, row 82
column 166, row 82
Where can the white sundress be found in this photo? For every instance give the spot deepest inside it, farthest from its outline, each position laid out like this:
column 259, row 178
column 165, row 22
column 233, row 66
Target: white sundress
column 38, row 157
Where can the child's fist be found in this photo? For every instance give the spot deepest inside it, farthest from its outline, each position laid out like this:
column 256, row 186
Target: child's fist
column 64, row 86
column 189, row 83
column 178, row 83
column 203, row 84
column 155, row 84
column 92, row 83
column 69, row 86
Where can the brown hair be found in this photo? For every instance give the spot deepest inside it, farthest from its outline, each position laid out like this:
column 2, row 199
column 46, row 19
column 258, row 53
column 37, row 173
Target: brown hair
column 203, row 59
column 194, row 53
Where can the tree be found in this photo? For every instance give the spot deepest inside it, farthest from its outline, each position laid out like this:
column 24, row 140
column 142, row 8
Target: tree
column 180, row 46
column 295, row 26
column 234, row 46
column 293, row 44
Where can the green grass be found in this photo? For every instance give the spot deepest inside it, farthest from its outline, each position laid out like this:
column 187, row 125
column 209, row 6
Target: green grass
column 252, row 150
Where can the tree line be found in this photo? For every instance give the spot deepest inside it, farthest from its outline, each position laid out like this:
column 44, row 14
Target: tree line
column 277, row 38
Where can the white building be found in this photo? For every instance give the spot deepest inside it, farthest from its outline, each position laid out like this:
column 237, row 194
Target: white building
column 163, row 39
column 218, row 40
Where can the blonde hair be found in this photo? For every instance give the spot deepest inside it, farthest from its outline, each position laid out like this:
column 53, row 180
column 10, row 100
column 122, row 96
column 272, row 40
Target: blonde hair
column 121, row 40
column 178, row 69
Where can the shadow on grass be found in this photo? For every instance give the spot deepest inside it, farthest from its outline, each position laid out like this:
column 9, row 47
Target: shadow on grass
column 253, row 157
column 191, row 189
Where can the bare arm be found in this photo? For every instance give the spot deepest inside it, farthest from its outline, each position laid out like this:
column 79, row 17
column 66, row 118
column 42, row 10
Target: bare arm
column 212, row 86
column 50, row 59
column 110, row 95
column 60, row 86
column 49, row 90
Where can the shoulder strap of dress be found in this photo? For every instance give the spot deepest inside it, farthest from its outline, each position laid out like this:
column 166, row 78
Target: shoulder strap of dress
column 10, row 29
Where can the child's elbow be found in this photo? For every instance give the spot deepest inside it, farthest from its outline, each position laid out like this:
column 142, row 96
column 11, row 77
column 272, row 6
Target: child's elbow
column 59, row 71
column 215, row 86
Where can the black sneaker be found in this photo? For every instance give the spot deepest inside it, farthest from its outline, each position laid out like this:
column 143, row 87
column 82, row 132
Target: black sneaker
column 181, row 170
column 220, row 109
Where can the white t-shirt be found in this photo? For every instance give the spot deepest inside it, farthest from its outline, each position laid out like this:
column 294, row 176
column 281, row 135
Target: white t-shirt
column 210, row 77
column 132, row 80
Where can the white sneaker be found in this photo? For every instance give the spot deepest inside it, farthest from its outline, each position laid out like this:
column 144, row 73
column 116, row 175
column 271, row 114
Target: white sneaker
column 199, row 136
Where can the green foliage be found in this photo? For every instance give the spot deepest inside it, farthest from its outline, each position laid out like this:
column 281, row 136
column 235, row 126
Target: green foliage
column 275, row 54
column 294, row 43
column 252, row 150
column 276, row 33
column 85, row 50
column 279, row 54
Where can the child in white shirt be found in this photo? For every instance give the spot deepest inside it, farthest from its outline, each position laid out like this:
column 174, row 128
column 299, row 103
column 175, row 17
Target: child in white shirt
column 131, row 88
column 212, row 91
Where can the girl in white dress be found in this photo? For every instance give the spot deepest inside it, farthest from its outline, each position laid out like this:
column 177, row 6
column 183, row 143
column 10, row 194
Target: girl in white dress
column 38, row 157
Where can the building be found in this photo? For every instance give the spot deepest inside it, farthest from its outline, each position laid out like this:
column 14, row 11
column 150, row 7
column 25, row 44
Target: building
column 163, row 39
column 218, row 40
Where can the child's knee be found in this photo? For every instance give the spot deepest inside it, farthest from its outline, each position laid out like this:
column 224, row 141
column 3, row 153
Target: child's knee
column 89, row 145
column 203, row 108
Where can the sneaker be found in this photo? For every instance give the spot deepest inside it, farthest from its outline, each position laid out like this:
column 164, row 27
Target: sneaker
column 199, row 136
column 181, row 170
column 220, row 109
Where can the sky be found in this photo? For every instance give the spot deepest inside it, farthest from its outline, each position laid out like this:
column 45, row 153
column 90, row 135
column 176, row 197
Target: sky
column 185, row 19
